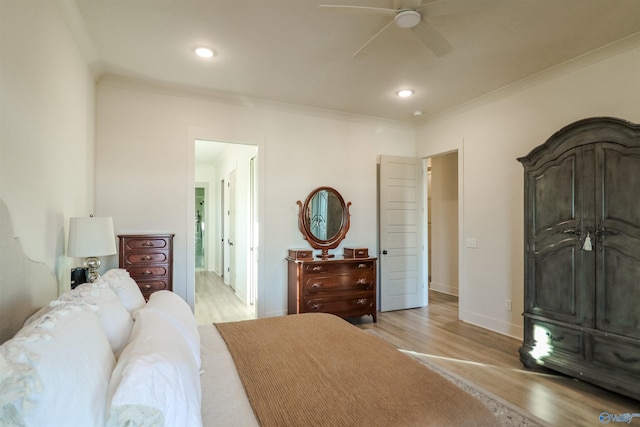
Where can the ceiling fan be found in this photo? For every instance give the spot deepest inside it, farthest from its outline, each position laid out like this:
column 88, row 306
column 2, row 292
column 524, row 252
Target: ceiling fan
column 409, row 16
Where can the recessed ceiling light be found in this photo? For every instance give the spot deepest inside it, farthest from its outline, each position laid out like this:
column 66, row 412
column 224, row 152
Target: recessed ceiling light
column 404, row 93
column 204, row 52
column 417, row 113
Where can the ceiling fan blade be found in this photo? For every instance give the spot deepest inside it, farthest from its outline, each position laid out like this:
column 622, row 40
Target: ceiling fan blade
column 450, row 7
column 409, row 4
column 371, row 39
column 383, row 10
column 432, row 38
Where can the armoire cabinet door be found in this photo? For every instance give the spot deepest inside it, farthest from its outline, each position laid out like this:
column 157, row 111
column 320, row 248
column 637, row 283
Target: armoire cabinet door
column 618, row 239
column 558, row 287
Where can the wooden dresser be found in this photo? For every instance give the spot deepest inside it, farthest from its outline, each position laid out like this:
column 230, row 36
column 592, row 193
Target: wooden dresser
column 342, row 286
column 149, row 260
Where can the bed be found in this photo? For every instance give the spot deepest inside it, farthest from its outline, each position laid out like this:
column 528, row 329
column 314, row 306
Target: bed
column 99, row 355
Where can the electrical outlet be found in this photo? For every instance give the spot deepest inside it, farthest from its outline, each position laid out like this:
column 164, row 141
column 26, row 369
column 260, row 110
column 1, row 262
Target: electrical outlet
column 508, row 305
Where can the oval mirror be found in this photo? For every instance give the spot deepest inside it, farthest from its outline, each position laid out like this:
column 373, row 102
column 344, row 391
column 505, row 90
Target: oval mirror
column 324, row 219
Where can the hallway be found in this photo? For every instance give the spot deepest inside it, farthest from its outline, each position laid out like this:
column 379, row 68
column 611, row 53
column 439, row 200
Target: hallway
column 217, row 302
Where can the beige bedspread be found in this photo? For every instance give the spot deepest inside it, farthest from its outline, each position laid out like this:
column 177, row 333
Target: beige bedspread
column 317, row 369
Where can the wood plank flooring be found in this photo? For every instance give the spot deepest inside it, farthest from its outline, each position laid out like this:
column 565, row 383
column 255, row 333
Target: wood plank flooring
column 217, row 302
column 485, row 358
column 491, row 360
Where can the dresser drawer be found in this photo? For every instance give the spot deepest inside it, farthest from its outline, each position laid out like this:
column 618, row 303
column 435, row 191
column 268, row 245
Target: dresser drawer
column 338, row 282
column 338, row 267
column 356, row 253
column 150, row 271
column 357, row 303
column 147, row 287
column 140, row 258
column 149, row 243
column 549, row 337
column 615, row 353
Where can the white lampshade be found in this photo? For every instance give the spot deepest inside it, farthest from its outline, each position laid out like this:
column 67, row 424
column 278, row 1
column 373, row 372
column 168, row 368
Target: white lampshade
column 91, row 237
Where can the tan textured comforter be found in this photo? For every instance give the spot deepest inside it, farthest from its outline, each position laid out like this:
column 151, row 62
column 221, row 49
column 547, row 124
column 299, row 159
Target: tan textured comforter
column 318, row 370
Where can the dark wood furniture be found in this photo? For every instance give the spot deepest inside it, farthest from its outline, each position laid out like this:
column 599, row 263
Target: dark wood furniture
column 342, row 286
column 149, row 260
column 582, row 254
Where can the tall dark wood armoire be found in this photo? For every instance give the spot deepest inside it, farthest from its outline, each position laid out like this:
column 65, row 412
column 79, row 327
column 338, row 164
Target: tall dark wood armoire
column 582, row 254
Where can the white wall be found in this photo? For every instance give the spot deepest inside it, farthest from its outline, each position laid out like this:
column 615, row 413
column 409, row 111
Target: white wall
column 490, row 136
column 144, row 170
column 46, row 140
column 47, row 106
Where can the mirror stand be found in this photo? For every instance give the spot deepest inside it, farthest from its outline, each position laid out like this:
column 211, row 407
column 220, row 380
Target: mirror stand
column 325, row 254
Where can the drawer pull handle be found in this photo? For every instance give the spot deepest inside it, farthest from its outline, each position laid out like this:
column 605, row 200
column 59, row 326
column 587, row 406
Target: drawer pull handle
column 147, row 272
column 626, row 359
column 362, row 281
column 554, row 338
column 146, row 257
column 317, row 267
column 361, row 301
column 147, row 243
column 362, row 265
column 147, row 286
column 315, row 306
column 316, row 285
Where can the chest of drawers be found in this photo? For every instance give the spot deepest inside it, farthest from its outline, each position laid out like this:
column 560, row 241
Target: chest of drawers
column 149, row 260
column 342, row 286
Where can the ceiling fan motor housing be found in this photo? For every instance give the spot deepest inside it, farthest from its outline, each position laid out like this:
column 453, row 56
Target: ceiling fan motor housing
column 407, row 18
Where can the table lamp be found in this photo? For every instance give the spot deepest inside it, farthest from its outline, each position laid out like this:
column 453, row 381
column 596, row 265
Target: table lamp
column 91, row 237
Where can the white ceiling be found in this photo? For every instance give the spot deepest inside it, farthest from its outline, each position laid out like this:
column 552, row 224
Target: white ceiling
column 291, row 51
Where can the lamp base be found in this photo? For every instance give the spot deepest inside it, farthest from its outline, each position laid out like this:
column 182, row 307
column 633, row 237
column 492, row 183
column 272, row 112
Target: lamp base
column 94, row 264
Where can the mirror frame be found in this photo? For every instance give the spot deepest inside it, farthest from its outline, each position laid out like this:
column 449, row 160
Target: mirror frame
column 305, row 227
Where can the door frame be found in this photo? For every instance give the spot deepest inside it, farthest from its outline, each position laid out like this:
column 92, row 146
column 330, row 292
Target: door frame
column 207, row 217
column 462, row 279
column 430, row 203
column 198, row 133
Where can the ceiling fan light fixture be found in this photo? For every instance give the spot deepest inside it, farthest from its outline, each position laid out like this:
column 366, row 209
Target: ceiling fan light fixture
column 407, row 18
column 405, row 93
column 204, row 52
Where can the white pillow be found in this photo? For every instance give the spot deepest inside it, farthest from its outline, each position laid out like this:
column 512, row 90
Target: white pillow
column 116, row 320
column 175, row 310
column 125, row 287
column 156, row 376
column 58, row 369
column 38, row 314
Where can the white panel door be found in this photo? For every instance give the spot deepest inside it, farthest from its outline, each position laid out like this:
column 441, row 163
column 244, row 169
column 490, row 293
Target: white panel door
column 402, row 282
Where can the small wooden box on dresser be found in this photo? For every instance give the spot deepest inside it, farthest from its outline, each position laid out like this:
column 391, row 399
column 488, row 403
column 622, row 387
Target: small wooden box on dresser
column 342, row 286
column 149, row 260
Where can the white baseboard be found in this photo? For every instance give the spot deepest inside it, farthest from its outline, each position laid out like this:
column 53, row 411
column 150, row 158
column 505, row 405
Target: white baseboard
column 505, row 328
column 444, row 288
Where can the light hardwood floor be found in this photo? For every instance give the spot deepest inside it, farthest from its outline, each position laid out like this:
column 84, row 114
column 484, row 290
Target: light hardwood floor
column 485, row 358
column 217, row 302
column 491, row 360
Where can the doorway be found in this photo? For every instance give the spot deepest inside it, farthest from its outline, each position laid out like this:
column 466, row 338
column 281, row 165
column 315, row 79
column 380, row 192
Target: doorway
column 200, row 228
column 227, row 169
column 442, row 211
